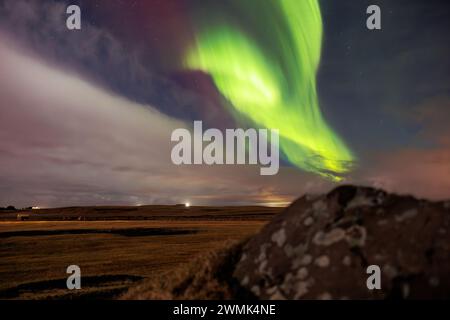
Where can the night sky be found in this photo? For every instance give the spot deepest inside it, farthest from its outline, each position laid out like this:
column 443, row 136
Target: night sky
column 86, row 116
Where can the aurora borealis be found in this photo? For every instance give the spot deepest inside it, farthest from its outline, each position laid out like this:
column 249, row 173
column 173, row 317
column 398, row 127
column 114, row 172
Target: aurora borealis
column 86, row 116
column 272, row 83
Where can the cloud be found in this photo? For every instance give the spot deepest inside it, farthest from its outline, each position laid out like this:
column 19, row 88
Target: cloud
column 97, row 54
column 66, row 141
column 59, row 131
column 86, row 121
column 423, row 173
column 421, row 169
column 433, row 117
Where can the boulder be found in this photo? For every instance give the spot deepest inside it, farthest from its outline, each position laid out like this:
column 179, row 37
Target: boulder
column 321, row 246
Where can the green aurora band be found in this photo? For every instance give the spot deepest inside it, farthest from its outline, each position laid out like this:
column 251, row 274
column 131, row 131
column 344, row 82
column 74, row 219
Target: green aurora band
column 271, row 82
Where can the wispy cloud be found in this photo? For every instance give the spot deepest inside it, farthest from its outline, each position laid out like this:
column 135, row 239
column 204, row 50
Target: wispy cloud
column 65, row 141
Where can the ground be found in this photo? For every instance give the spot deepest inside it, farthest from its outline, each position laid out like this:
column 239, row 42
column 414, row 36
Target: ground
column 115, row 247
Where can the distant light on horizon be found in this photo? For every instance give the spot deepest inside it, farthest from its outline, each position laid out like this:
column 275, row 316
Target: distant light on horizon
column 187, row 204
column 280, row 204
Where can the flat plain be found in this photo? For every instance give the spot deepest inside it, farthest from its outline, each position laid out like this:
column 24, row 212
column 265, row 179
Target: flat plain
column 115, row 247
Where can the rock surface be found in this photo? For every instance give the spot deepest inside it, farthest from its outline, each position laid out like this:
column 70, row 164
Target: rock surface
column 320, row 248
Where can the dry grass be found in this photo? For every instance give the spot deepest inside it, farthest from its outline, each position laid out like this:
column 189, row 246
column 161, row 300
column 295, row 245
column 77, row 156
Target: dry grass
column 34, row 266
column 208, row 277
column 159, row 212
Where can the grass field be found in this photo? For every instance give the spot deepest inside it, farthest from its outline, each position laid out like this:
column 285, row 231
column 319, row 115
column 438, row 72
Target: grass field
column 112, row 254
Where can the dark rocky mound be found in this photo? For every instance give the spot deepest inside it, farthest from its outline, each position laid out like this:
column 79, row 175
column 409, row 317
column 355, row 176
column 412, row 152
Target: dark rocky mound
column 320, row 248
